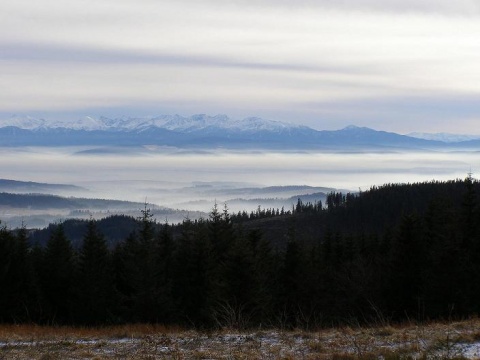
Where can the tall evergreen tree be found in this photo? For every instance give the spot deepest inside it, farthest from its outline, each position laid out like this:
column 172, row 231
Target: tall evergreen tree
column 219, row 226
column 145, row 301
column 408, row 263
column 25, row 289
column 237, row 287
column 126, row 277
column 7, row 251
column 469, row 211
column 445, row 277
column 291, row 274
column 95, row 290
column 192, row 284
column 57, row 277
column 165, row 305
column 265, row 270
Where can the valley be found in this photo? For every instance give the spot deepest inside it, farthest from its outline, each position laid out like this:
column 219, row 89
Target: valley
column 189, row 183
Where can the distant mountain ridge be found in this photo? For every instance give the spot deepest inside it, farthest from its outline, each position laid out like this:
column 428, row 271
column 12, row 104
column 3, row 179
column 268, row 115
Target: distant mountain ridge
column 206, row 132
column 444, row 137
column 169, row 122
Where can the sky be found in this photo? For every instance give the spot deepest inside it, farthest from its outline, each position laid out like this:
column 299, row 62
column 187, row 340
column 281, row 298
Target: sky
column 400, row 66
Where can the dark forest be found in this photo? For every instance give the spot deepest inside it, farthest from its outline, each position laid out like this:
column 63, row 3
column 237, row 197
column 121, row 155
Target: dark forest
column 399, row 252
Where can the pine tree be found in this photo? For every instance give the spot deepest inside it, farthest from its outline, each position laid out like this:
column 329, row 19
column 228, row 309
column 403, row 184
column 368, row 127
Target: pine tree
column 469, row 210
column 192, row 284
column 166, row 311
column 291, row 273
column 264, row 272
column 408, row 262
column 237, row 287
column 446, row 282
column 7, row 251
column 57, row 276
column 470, row 247
column 126, row 274
column 25, row 291
column 95, row 291
column 145, row 300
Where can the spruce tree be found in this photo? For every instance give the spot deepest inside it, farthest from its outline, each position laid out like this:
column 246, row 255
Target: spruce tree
column 238, row 287
column 126, row 277
column 145, row 300
column 95, row 291
column 7, row 251
column 57, row 276
column 192, row 284
column 165, row 305
column 25, row 291
column 408, row 262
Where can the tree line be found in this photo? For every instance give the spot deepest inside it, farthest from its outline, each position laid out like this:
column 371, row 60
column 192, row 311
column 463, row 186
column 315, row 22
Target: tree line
column 396, row 252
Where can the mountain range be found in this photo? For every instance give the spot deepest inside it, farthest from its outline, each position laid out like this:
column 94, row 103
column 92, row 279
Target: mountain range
column 199, row 122
column 220, row 131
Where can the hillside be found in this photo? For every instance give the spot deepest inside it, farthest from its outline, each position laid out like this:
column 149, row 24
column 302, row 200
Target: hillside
column 29, row 187
column 38, row 210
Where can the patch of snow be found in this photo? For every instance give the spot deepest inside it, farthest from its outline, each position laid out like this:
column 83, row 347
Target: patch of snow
column 80, row 342
column 470, row 351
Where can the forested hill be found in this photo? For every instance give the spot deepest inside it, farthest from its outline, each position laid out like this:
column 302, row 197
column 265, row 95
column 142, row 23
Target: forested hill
column 374, row 212
column 14, row 186
column 394, row 252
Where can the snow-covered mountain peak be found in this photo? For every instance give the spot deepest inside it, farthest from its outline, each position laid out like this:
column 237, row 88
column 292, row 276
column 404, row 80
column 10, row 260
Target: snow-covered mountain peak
column 86, row 123
column 259, row 124
column 23, row 122
column 178, row 123
column 198, row 122
column 123, row 123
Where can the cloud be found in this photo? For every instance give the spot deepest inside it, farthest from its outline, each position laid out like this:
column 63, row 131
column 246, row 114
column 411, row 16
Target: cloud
column 47, row 53
column 446, row 7
column 453, row 112
column 254, row 57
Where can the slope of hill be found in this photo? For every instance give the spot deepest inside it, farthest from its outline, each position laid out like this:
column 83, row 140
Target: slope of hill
column 38, row 210
column 28, row 187
column 393, row 253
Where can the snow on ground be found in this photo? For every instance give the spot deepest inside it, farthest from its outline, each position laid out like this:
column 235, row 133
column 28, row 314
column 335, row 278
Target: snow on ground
column 435, row 341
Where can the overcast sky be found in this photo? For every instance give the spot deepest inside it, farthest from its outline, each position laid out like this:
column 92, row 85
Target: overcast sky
column 391, row 65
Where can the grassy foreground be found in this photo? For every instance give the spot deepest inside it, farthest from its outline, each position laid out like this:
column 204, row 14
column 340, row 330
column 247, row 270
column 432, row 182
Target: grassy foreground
column 455, row 340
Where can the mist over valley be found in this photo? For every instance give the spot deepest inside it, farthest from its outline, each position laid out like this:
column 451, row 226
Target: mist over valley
column 189, row 183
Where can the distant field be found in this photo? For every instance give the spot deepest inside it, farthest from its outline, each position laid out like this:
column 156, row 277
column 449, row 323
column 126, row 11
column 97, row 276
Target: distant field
column 455, row 340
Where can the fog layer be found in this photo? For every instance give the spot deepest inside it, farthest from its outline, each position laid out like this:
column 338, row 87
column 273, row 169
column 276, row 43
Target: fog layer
column 168, row 177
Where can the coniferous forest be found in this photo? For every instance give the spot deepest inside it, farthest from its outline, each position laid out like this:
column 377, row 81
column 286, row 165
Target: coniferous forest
column 396, row 252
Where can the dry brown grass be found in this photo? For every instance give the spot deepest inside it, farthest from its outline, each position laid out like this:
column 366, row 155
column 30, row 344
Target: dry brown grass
column 32, row 332
column 140, row 341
